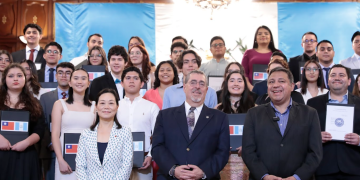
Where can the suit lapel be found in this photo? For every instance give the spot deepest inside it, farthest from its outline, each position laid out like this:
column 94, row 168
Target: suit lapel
column 111, row 82
column 292, row 117
column 204, row 118
column 350, row 98
column 271, row 114
column 180, row 118
column 93, row 148
column 113, row 140
column 39, row 55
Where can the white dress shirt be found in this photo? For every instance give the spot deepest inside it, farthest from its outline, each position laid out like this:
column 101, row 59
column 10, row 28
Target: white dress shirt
column 308, row 96
column 28, row 52
column 140, row 116
column 79, row 59
column 118, row 87
column 324, row 72
column 197, row 111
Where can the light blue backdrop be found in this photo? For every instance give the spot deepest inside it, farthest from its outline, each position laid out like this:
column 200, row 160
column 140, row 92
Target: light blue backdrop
column 116, row 22
column 335, row 22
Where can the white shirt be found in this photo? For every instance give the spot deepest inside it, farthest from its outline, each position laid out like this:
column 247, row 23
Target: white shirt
column 197, row 111
column 79, row 59
column 324, row 72
column 28, row 52
column 308, row 96
column 139, row 116
column 118, row 87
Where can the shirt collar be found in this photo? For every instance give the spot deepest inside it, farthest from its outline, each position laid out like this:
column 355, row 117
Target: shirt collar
column 60, row 91
column 37, row 48
column 47, row 68
column 136, row 99
column 322, row 67
column 221, row 60
column 357, row 56
column 288, row 108
column 344, row 97
column 113, row 76
column 198, row 109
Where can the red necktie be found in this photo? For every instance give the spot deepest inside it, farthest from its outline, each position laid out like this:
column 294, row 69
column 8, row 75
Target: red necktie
column 64, row 95
column 31, row 57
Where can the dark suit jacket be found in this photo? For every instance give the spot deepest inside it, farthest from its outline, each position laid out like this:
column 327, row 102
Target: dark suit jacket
column 266, row 151
column 208, row 147
column 41, row 75
column 338, row 156
column 21, row 55
column 100, row 83
column 294, row 65
column 260, row 88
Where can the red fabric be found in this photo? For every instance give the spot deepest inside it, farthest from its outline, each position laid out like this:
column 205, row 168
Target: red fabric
column 251, row 57
column 155, row 169
column 64, row 95
column 31, row 57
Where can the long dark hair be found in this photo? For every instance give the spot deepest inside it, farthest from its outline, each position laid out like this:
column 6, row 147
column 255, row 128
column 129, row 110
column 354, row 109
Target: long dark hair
column 157, row 80
column 242, row 71
column 271, row 45
column 34, row 82
column 70, row 100
column 8, row 54
column 356, row 87
column 25, row 97
column 246, row 101
column 146, row 65
column 111, row 91
column 103, row 57
column 320, row 81
column 141, row 41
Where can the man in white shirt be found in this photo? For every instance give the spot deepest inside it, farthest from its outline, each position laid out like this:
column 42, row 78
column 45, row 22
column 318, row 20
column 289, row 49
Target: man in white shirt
column 93, row 40
column 139, row 115
column 353, row 62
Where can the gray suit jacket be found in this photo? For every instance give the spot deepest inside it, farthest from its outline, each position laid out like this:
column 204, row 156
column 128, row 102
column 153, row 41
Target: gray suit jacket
column 351, row 62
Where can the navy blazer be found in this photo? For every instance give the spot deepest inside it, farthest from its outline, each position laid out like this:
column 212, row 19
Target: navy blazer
column 208, row 147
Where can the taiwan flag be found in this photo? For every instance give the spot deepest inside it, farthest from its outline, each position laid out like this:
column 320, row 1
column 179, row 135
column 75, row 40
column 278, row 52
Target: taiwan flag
column 236, row 130
column 93, row 75
column 260, row 76
column 71, row 148
column 7, row 125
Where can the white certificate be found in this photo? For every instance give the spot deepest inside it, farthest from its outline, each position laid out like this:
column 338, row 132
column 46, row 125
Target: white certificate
column 339, row 120
column 215, row 82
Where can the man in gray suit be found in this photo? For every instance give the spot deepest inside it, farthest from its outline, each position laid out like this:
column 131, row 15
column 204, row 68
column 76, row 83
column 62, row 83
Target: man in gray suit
column 47, row 100
column 353, row 62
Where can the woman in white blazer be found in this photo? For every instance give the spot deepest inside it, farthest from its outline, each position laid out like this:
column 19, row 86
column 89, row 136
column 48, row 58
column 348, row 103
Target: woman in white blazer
column 106, row 149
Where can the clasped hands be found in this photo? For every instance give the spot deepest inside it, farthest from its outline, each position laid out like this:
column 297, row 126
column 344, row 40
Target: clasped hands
column 272, row 177
column 184, row 172
column 20, row 146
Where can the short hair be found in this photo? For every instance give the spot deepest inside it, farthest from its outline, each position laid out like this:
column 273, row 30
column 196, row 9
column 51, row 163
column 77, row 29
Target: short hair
column 216, row 38
column 118, row 51
column 130, row 69
column 180, row 60
column 178, row 44
column 348, row 72
column 283, row 63
column 157, row 80
column 281, row 69
column 65, row 65
column 54, row 44
column 8, row 54
column 278, row 53
column 311, row 33
column 96, row 34
column 357, row 33
column 195, row 72
column 324, row 41
column 180, row 37
column 31, row 25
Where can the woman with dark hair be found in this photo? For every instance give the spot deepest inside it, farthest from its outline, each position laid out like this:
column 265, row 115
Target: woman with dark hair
column 356, row 90
column 97, row 56
column 261, row 52
column 71, row 115
column 312, row 81
column 20, row 160
column 236, row 98
column 32, row 78
column 165, row 75
column 5, row 60
column 105, row 141
column 136, row 40
column 139, row 57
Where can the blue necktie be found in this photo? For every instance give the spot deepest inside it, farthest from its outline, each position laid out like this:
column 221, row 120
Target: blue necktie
column 51, row 75
column 117, row 81
column 327, row 77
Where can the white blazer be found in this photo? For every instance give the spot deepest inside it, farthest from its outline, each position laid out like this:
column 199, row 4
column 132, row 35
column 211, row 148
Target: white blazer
column 352, row 62
column 117, row 163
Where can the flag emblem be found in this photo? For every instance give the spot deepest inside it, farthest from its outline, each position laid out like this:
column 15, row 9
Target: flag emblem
column 260, row 76
column 19, row 126
column 301, row 70
column 138, row 145
column 93, row 75
column 236, row 130
column 71, row 148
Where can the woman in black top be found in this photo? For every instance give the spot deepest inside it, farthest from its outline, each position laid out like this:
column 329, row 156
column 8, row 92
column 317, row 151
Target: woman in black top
column 20, row 160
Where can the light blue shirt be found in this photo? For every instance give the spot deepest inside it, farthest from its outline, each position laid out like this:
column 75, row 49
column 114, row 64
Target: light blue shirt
column 344, row 101
column 175, row 96
column 59, row 93
column 47, row 74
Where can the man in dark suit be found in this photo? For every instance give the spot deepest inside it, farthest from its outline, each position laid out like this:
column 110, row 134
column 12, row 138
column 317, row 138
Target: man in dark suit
column 117, row 58
column 281, row 139
column 47, row 100
column 191, row 141
column 308, row 42
column 52, row 55
column 341, row 159
column 33, row 51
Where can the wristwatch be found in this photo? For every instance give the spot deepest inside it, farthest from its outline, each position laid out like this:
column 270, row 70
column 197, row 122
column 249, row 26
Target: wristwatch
column 172, row 171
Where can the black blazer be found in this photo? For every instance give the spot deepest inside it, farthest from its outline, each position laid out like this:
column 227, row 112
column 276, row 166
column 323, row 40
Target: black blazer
column 265, row 151
column 21, row 55
column 41, row 75
column 260, row 88
column 294, row 65
column 208, row 147
column 100, row 83
column 338, row 156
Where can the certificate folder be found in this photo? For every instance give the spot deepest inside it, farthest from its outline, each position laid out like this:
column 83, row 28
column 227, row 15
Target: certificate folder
column 236, row 124
column 339, row 120
column 259, row 73
column 139, row 147
column 15, row 125
column 94, row 71
column 49, row 86
column 71, row 141
column 215, row 82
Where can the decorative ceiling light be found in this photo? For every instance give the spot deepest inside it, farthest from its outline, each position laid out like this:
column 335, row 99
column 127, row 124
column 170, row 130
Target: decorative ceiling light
column 211, row 4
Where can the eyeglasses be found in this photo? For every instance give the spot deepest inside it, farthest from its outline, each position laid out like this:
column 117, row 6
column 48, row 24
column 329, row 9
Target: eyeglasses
column 177, row 51
column 55, row 52
column 309, row 41
column 193, row 83
column 137, row 53
column 218, row 44
column 98, row 55
column 312, row 69
column 61, row 73
column 134, row 44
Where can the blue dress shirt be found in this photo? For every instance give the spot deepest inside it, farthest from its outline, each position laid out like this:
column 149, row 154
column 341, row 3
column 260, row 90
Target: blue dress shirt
column 60, row 95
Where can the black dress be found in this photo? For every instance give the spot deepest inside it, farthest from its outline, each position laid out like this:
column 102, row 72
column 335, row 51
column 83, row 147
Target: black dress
column 23, row 165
